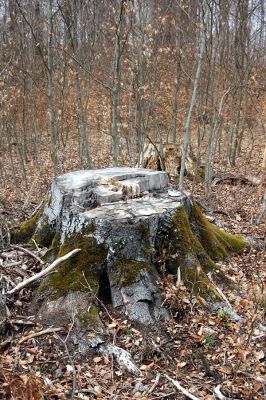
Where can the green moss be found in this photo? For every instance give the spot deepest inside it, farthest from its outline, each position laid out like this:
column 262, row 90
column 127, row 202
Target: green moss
column 26, row 229
column 148, row 250
column 53, row 250
column 217, row 243
column 182, row 250
column 187, row 246
column 45, row 235
column 192, row 244
column 144, row 230
column 80, row 272
column 198, row 282
column 126, row 271
column 56, row 241
column 89, row 318
column 89, row 228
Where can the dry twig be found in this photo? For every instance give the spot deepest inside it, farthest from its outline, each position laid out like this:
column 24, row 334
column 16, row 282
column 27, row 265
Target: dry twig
column 218, row 393
column 26, row 251
column 43, row 272
column 183, row 390
column 155, row 383
column 40, row 333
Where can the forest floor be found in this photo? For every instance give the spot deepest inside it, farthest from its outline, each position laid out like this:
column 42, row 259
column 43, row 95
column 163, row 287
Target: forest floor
column 200, row 350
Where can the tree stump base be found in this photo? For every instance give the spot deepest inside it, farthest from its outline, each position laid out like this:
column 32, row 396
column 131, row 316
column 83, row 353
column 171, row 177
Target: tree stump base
column 130, row 225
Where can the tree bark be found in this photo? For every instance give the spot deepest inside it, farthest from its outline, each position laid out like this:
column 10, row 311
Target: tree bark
column 130, row 226
column 186, row 137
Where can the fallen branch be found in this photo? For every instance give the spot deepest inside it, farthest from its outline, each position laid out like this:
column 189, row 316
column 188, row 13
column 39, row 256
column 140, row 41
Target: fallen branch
column 256, row 378
column 231, row 179
column 21, row 322
column 40, row 333
column 183, row 390
column 12, row 264
column 122, row 357
column 43, row 272
column 155, row 384
column 220, row 291
column 218, row 393
column 28, row 252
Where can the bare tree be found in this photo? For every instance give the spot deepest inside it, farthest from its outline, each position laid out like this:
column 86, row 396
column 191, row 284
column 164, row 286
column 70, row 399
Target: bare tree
column 186, row 136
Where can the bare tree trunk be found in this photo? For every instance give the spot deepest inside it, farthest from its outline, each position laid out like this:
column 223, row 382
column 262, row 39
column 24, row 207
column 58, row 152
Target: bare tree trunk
column 116, row 84
column 173, row 126
column 50, row 88
column 186, row 136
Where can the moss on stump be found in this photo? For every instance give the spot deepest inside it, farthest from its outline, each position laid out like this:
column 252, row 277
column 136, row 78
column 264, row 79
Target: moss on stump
column 191, row 246
column 125, row 272
column 26, row 230
column 79, row 273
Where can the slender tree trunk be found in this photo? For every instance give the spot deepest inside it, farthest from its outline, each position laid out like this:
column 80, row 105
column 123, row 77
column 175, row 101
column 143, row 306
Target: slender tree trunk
column 116, row 85
column 174, row 112
column 50, row 88
column 186, row 136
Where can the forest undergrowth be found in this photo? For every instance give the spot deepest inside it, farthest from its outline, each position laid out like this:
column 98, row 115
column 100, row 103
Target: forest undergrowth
column 204, row 352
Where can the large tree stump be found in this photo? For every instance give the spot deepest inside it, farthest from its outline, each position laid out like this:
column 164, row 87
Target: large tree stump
column 130, row 226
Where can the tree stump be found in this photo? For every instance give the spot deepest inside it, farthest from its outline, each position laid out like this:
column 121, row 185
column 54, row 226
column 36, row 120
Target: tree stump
column 130, row 225
column 170, row 160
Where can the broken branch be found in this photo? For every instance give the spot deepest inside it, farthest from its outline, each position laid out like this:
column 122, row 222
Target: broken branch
column 40, row 333
column 43, row 272
column 26, row 251
column 179, row 387
column 218, row 393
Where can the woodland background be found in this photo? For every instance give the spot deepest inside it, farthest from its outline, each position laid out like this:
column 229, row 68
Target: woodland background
column 85, row 84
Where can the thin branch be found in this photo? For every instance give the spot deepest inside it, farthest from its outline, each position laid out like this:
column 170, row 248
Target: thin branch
column 28, row 252
column 40, row 333
column 157, row 379
column 218, row 393
column 33, row 34
column 43, row 272
column 87, row 71
column 74, row 383
column 183, row 390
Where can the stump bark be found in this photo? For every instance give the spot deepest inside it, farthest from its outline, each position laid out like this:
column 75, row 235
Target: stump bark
column 130, row 225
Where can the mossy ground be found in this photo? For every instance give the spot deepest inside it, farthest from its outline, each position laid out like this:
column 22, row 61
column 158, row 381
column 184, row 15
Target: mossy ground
column 79, row 273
